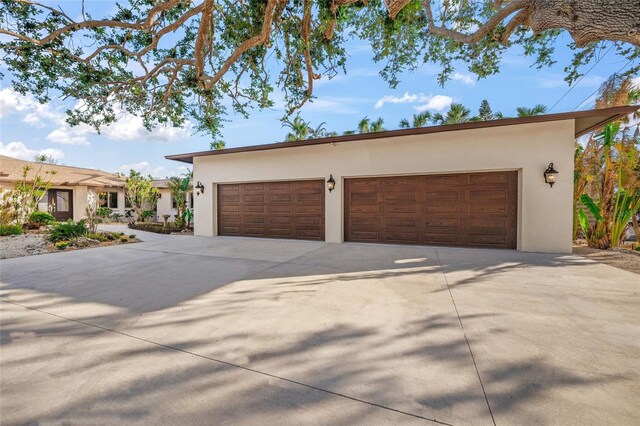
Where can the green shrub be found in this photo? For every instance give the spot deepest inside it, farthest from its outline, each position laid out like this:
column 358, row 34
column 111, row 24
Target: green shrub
column 68, row 230
column 61, row 245
column 41, row 218
column 146, row 214
column 123, row 239
column 104, row 212
column 100, row 236
column 132, row 236
column 637, row 248
column 10, row 230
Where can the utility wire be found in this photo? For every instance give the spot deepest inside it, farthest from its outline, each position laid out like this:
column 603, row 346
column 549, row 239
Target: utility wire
column 594, row 92
column 580, row 79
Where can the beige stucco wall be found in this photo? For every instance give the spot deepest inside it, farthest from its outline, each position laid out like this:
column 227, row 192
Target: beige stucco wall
column 544, row 213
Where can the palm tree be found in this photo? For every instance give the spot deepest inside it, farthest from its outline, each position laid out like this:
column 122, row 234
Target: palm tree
column 300, row 129
column 367, row 126
column 419, row 120
column 376, row 126
column 457, row 113
column 364, row 125
column 528, row 112
column 319, row 132
column 219, row 144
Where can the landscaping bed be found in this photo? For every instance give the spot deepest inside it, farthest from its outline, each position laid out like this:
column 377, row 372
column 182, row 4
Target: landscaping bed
column 36, row 242
column 624, row 258
column 160, row 228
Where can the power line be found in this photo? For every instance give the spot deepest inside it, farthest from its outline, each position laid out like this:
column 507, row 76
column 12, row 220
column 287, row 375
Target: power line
column 594, row 92
column 580, row 79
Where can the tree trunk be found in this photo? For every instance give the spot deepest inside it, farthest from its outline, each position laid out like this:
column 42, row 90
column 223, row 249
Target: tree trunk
column 636, row 227
column 589, row 20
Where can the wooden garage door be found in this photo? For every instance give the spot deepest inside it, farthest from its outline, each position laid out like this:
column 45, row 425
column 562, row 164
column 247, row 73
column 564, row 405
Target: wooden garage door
column 471, row 209
column 292, row 209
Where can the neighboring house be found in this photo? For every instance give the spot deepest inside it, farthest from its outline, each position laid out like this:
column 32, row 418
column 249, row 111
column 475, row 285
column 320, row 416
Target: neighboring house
column 476, row 184
column 70, row 186
column 166, row 203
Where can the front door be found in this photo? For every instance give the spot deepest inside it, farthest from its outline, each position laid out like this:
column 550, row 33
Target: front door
column 61, row 204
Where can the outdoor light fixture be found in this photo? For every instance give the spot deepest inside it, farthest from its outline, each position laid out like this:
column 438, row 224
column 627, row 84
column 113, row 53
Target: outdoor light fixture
column 550, row 175
column 331, row 183
column 200, row 188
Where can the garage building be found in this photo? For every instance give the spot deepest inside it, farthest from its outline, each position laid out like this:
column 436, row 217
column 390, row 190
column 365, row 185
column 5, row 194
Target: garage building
column 478, row 184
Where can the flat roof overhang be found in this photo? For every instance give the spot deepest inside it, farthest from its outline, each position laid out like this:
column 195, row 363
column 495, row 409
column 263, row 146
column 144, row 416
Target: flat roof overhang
column 585, row 122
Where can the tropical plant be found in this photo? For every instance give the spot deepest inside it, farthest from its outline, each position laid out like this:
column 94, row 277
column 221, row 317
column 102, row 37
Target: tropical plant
column 68, row 230
column 187, row 217
column 418, row 120
column 612, row 192
column 140, row 192
column 179, row 188
column 457, row 113
column 217, row 144
column 19, row 202
column 299, row 129
column 366, row 125
column 528, row 112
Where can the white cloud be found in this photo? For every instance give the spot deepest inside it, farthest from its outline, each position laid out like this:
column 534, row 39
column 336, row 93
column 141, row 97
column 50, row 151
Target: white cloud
column 126, row 128
column 67, row 136
column 130, row 128
column 464, row 78
column 143, row 167
column 12, row 102
column 20, row 150
column 431, row 102
column 390, row 99
column 435, row 103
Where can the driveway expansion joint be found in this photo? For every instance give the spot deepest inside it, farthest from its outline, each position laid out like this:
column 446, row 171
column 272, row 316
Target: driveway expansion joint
column 230, row 364
column 466, row 339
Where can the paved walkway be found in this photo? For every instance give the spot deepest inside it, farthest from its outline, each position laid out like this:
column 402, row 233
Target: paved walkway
column 193, row 330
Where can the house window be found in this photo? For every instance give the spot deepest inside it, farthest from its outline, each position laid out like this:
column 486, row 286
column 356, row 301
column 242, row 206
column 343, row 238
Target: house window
column 174, row 203
column 191, row 200
column 109, row 199
column 127, row 203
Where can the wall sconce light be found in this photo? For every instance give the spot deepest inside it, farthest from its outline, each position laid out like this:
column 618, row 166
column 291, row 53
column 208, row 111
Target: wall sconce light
column 550, row 175
column 331, row 183
column 200, row 188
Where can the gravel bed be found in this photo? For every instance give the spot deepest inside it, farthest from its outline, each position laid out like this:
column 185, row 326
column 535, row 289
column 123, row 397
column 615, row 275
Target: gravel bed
column 619, row 258
column 22, row 245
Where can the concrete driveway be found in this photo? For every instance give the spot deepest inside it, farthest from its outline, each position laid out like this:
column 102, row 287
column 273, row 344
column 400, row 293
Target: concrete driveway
column 190, row 330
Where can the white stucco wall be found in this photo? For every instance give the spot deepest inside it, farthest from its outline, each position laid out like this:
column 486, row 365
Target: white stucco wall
column 165, row 205
column 544, row 213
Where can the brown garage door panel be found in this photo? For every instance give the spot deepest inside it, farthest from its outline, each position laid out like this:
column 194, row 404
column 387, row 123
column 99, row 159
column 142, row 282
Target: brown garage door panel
column 466, row 209
column 292, row 209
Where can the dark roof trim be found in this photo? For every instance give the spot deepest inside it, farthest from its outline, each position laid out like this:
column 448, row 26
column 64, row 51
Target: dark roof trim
column 608, row 115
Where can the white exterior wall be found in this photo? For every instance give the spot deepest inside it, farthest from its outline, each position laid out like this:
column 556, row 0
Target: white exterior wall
column 165, row 205
column 544, row 213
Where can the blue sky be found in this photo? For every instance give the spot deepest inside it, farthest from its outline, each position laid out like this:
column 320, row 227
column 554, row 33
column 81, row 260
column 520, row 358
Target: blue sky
column 27, row 128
